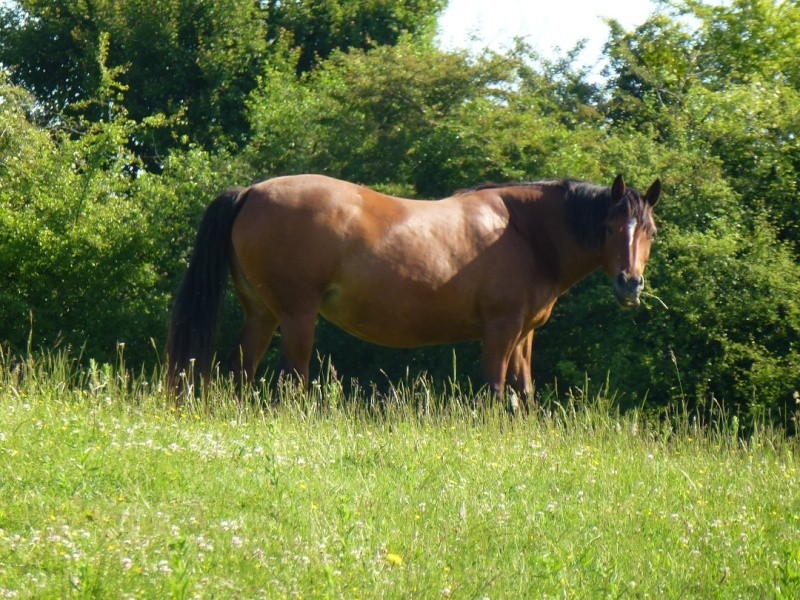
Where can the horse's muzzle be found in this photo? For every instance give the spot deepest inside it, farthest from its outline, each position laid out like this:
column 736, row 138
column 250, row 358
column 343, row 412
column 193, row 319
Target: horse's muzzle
column 627, row 289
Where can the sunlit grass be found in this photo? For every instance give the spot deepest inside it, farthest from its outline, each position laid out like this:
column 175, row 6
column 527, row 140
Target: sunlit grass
column 109, row 490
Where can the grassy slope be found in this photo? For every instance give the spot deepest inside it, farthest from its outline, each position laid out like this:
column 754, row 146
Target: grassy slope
column 105, row 492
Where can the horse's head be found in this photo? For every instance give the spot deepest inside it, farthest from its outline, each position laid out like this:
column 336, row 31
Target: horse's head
column 629, row 232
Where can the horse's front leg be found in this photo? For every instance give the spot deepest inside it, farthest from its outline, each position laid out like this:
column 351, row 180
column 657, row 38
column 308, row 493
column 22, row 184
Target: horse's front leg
column 519, row 377
column 499, row 340
column 297, row 342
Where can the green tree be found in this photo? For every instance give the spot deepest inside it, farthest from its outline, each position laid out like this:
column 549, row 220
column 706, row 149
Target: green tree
column 194, row 58
column 745, row 40
column 729, row 87
column 191, row 60
column 319, row 27
column 91, row 246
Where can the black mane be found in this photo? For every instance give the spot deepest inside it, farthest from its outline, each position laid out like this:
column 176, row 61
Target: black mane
column 586, row 211
column 587, row 206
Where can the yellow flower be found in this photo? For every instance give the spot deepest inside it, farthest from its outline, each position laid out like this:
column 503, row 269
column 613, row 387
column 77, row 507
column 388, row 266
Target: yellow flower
column 394, row 559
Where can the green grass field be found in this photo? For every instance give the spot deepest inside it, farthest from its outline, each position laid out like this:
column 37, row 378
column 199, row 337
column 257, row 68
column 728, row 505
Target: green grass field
column 108, row 491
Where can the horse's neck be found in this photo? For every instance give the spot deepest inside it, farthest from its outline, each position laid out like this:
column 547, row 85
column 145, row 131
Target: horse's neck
column 577, row 263
column 575, row 260
column 542, row 218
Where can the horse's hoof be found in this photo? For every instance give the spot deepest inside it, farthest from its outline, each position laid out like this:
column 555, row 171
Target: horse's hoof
column 513, row 404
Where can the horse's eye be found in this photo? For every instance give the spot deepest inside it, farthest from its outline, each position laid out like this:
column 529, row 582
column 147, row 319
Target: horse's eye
column 609, row 231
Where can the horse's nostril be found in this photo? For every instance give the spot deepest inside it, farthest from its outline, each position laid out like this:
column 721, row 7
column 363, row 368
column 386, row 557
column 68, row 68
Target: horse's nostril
column 630, row 282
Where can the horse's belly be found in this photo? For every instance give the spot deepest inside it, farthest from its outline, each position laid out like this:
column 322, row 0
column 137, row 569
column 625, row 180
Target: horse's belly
column 391, row 320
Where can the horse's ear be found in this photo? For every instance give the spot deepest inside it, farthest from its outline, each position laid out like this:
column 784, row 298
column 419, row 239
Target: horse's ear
column 618, row 189
column 653, row 193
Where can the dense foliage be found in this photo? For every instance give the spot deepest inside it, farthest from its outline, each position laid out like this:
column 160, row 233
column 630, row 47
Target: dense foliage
column 107, row 158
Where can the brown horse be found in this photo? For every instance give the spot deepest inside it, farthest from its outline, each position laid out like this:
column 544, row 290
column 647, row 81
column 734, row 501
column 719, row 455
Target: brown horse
column 486, row 264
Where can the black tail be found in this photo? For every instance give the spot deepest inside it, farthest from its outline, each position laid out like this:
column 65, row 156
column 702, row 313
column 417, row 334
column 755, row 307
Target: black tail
column 196, row 308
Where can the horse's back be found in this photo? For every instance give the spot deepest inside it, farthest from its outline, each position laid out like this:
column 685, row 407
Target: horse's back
column 316, row 192
column 301, row 208
column 319, row 205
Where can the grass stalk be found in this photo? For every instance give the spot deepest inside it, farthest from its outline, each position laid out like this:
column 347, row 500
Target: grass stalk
column 116, row 491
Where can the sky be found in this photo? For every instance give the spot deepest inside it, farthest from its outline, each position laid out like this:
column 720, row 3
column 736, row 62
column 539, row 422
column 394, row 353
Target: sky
column 545, row 24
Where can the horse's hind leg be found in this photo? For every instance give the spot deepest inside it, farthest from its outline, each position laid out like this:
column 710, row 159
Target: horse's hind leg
column 254, row 339
column 259, row 327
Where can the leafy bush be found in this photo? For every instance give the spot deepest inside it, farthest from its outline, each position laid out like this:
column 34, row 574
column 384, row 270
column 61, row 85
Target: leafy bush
column 95, row 231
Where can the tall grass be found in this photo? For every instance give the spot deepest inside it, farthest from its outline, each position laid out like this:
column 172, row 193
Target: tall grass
column 110, row 490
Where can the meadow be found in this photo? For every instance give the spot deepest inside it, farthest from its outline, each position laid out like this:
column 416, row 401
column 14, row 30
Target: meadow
column 107, row 490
